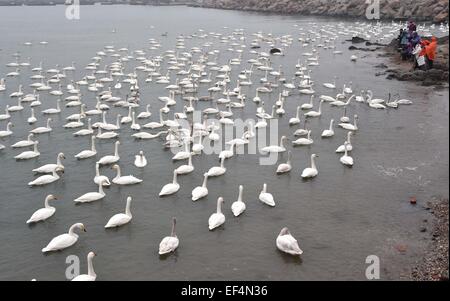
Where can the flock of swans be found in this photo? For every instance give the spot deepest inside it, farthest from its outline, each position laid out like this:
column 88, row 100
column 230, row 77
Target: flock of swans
column 185, row 73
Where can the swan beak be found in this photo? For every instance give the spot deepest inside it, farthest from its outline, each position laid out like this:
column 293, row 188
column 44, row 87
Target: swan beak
column 84, row 229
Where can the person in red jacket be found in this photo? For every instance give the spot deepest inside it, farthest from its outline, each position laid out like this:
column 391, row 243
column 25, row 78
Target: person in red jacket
column 431, row 52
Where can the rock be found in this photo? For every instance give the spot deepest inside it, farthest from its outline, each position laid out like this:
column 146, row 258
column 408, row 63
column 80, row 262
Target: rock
column 381, row 66
column 423, row 229
column 412, row 200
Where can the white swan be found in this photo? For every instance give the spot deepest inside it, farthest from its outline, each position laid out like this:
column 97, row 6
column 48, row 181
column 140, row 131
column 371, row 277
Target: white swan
column 312, row 171
column 120, row 219
column 53, row 110
column 218, row 218
column 287, row 243
column 48, row 168
column 308, row 106
column 304, row 141
column 24, row 143
column 227, row 153
column 111, row 158
column 295, row 120
column 266, row 197
column 140, row 160
column 285, row 167
column 64, row 240
column 29, row 154
column 145, row 135
column 124, row 180
column 100, row 179
column 42, row 129
column 330, row 131
column 350, row 127
column 90, row 276
column 88, row 152
column 43, row 213
column 185, row 169
column 92, row 196
column 169, row 243
column 45, row 179
column 315, row 113
column 8, row 131
column 145, row 114
column 216, row 171
column 170, row 188
column 346, row 159
column 276, row 148
column 85, row 132
column 200, row 191
column 347, row 144
column 238, row 206
column 106, row 135
column 32, row 119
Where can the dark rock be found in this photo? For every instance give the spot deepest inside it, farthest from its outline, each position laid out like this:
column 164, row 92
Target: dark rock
column 423, row 229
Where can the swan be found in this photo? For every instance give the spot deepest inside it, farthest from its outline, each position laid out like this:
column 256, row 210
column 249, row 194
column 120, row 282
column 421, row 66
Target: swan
column 85, row 132
column 124, row 180
column 276, row 148
column 185, row 169
column 43, row 213
column 170, row 188
column 200, row 191
column 92, row 196
column 304, row 141
column 29, row 154
column 120, row 219
column 169, row 243
column 340, row 103
column 308, row 106
column 110, row 126
column 238, row 206
column 42, row 129
column 302, row 132
column 32, row 119
column 64, row 240
column 347, row 144
column 346, row 159
column 24, row 143
column 198, row 147
column 111, row 158
column 218, row 218
column 216, row 171
column 296, row 119
column 287, row 243
column 140, row 160
column 266, row 197
column 344, row 118
column 5, row 116
column 74, row 124
column 228, row 153
column 90, row 276
column 330, row 85
column 145, row 114
column 285, row 167
column 100, row 179
column 312, row 171
column 330, row 131
column 106, row 135
column 45, row 179
column 315, row 113
column 8, row 131
column 154, row 124
column 88, row 152
column 350, row 127
column 145, row 135
column 213, row 136
column 48, row 168
column 134, row 126
column 53, row 110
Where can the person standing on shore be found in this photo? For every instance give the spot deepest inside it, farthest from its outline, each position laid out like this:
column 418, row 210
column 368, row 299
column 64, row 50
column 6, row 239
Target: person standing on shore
column 431, row 52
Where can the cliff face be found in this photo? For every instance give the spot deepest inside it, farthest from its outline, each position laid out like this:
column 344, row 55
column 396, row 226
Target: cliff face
column 423, row 10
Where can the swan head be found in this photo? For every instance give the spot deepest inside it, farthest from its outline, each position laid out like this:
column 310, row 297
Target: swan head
column 61, row 155
column 314, row 156
column 80, row 226
column 115, row 167
column 284, row 231
column 51, row 197
column 91, row 255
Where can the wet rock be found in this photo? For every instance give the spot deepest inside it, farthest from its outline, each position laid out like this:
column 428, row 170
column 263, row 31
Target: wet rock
column 412, row 200
column 382, row 66
column 423, row 229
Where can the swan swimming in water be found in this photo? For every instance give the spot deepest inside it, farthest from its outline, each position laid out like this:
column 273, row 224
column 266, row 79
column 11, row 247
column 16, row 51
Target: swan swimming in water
column 216, row 171
column 287, row 243
column 185, row 169
column 6, row 132
column 218, row 218
column 170, row 188
column 46, row 179
column 312, row 171
column 276, row 148
column 140, row 160
column 88, row 153
column 42, row 129
column 350, row 127
column 65, row 240
column 238, row 206
column 124, row 180
column 48, row 168
column 92, row 196
column 330, row 131
column 29, row 154
column 110, row 159
column 266, row 197
column 90, row 276
column 347, row 144
column 200, row 191
column 120, row 219
column 346, row 159
column 100, row 179
column 285, row 167
column 43, row 213
column 24, row 143
column 169, row 243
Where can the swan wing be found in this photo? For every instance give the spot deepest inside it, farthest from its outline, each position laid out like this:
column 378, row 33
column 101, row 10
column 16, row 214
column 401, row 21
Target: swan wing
column 168, row 244
column 60, row 242
column 41, row 214
column 118, row 220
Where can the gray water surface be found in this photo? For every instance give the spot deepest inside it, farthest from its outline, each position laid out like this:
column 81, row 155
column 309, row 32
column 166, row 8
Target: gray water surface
column 339, row 218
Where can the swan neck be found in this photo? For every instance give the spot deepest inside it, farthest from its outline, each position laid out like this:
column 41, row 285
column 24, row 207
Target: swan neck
column 313, row 163
column 128, row 207
column 174, row 178
column 116, row 150
column 205, row 180
column 91, row 271
column 219, row 206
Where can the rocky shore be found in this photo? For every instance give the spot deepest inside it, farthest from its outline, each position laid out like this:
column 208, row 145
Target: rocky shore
column 434, row 264
column 423, row 10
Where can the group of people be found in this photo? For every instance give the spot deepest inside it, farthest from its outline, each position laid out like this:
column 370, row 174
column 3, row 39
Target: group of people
column 413, row 47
